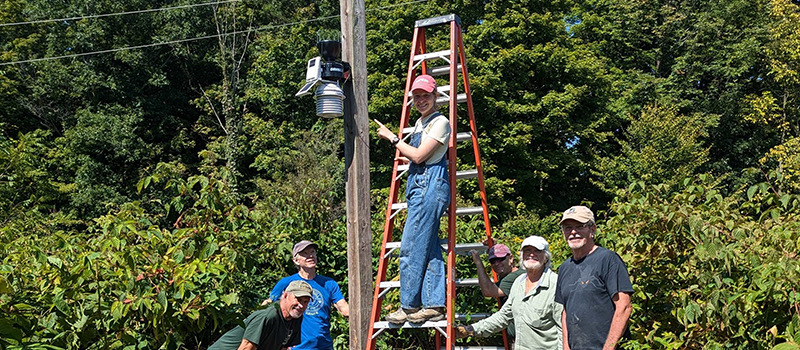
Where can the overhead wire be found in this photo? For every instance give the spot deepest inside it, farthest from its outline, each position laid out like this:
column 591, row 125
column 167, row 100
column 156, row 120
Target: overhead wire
column 115, row 14
column 198, row 38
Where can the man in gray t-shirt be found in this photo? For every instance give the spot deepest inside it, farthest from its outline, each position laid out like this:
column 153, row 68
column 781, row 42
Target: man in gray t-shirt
column 594, row 287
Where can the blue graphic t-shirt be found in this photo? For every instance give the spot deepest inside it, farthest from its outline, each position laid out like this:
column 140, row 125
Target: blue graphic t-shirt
column 316, row 328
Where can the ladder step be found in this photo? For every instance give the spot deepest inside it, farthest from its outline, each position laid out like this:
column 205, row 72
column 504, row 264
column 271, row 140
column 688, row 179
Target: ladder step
column 467, row 282
column 444, row 54
column 442, row 70
column 440, row 324
column 467, row 174
column 463, row 174
column 459, row 211
column 444, row 89
column 461, row 248
column 468, row 211
column 428, row 22
column 460, row 137
column 460, row 98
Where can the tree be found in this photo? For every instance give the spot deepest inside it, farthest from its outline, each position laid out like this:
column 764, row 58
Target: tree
column 660, row 147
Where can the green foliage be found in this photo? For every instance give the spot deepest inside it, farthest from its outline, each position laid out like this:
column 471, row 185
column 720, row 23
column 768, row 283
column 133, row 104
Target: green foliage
column 661, row 146
column 791, row 335
column 707, row 268
column 123, row 281
column 24, row 183
column 196, row 170
column 786, row 160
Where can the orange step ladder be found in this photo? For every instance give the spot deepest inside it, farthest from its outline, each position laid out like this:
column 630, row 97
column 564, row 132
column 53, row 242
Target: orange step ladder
column 455, row 63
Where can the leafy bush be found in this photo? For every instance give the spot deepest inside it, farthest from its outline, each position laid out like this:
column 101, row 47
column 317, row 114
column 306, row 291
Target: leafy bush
column 709, row 270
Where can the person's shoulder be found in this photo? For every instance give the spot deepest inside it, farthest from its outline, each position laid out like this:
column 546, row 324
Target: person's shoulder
column 441, row 119
column 323, row 279
column 551, row 275
column 326, row 281
column 520, row 277
column 284, row 282
column 567, row 264
column 289, row 279
column 607, row 254
column 266, row 313
column 519, row 282
column 515, row 275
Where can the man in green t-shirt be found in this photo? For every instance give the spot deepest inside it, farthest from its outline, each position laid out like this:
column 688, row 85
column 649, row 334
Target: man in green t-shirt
column 502, row 262
column 276, row 327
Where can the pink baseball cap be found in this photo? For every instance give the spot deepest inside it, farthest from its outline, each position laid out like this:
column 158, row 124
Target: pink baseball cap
column 424, row 82
column 499, row 251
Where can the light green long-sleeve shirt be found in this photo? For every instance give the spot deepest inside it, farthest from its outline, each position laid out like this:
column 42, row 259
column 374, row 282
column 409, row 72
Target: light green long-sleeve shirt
column 536, row 315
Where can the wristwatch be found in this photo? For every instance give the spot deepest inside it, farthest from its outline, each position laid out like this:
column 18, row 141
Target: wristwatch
column 395, row 140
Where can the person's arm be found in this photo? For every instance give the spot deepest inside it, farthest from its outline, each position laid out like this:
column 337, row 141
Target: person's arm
column 343, row 307
column 421, row 154
column 247, row 345
column 266, row 301
column 417, row 155
column 556, row 314
column 564, row 338
column 497, row 321
column 622, row 302
column 488, row 288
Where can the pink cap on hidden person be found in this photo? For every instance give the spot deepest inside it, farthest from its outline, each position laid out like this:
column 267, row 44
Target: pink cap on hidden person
column 499, row 251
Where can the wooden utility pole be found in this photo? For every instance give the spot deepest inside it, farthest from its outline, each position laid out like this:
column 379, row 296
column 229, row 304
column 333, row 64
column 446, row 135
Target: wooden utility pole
column 359, row 232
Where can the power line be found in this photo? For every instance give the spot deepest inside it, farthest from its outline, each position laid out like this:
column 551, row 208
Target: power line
column 198, row 38
column 115, row 14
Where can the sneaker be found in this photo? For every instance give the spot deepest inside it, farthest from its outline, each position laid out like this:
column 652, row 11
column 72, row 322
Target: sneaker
column 432, row 314
column 399, row 316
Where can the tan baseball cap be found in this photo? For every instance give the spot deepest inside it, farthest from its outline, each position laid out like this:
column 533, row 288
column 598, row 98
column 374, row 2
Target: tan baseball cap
column 578, row 213
column 299, row 289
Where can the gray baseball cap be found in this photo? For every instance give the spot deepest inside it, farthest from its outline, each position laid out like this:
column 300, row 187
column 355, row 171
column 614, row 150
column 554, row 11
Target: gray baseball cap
column 302, row 245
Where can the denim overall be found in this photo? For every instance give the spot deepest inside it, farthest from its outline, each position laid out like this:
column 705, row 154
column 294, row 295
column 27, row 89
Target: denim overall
column 422, row 272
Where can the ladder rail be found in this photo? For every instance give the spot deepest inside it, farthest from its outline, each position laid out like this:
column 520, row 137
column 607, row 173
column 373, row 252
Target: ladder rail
column 457, row 65
column 393, row 192
column 451, row 219
column 478, row 166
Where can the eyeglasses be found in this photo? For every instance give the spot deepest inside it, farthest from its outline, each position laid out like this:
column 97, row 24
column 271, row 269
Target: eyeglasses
column 497, row 260
column 569, row 228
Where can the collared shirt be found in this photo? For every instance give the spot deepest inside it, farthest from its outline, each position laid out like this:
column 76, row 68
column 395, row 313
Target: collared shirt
column 536, row 315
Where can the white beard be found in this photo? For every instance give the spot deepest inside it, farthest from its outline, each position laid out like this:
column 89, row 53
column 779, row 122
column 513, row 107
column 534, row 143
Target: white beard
column 577, row 245
column 533, row 265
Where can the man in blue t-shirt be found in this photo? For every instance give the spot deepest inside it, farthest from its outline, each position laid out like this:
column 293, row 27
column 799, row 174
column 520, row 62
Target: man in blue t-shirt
column 594, row 287
column 316, row 329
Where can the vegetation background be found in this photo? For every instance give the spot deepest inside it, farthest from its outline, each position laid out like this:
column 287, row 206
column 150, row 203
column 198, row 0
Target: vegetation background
column 149, row 197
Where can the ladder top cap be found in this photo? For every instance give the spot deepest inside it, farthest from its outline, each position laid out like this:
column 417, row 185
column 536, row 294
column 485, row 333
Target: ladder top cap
column 429, row 22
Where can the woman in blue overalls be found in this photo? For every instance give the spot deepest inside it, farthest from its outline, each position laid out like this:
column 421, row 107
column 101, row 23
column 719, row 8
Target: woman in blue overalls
column 422, row 271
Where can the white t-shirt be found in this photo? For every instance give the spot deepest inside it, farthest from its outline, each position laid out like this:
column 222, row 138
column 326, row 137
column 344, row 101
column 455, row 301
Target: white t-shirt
column 437, row 129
